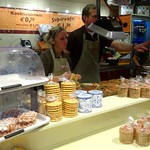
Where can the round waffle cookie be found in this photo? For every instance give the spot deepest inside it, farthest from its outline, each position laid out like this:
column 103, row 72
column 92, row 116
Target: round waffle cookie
column 70, row 108
column 67, row 88
column 52, row 88
column 54, row 110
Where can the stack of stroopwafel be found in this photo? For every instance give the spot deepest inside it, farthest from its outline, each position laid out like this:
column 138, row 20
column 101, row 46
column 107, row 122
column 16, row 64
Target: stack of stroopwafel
column 52, row 88
column 70, row 108
column 67, row 88
column 54, row 110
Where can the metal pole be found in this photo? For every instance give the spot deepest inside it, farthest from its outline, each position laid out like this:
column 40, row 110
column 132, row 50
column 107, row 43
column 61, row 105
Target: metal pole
column 98, row 8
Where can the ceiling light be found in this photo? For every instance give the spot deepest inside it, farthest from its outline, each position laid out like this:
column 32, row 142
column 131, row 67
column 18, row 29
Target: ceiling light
column 8, row 5
column 78, row 12
column 67, row 11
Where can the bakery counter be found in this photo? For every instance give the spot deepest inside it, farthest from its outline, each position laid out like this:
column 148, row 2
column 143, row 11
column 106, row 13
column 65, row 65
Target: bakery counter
column 108, row 72
column 108, row 140
column 114, row 112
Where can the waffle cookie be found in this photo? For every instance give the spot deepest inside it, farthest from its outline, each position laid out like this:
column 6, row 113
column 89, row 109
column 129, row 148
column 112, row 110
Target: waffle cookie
column 52, row 88
column 54, row 110
column 67, row 89
column 70, row 108
column 26, row 119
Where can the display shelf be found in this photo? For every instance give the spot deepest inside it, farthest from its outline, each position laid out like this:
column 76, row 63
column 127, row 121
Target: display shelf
column 108, row 140
column 70, row 131
column 110, row 103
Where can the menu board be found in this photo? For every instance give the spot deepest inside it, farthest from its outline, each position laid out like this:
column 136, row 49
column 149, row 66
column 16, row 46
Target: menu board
column 29, row 20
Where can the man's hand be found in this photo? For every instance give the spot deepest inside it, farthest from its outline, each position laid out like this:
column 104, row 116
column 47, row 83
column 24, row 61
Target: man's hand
column 142, row 47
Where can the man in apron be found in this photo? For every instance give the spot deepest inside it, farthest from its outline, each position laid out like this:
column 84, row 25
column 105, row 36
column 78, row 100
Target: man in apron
column 85, row 47
column 89, row 58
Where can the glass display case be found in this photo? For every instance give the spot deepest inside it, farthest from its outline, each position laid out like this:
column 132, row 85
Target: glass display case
column 21, row 72
column 20, row 68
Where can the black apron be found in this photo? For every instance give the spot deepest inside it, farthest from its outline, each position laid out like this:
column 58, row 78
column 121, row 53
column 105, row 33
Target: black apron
column 88, row 65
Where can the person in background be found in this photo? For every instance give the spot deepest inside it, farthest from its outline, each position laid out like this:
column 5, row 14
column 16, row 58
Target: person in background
column 85, row 47
column 56, row 60
column 140, row 59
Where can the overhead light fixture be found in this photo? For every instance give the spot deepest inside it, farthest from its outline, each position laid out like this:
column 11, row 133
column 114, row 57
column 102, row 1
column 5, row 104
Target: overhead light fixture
column 47, row 9
column 67, row 11
column 78, row 12
column 30, row 7
column 8, row 5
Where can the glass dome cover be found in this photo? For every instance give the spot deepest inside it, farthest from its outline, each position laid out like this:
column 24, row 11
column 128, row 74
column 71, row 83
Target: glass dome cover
column 20, row 61
column 20, row 67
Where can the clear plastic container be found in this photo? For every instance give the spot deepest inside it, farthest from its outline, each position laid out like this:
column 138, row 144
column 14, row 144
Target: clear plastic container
column 22, row 61
column 20, row 68
column 21, row 71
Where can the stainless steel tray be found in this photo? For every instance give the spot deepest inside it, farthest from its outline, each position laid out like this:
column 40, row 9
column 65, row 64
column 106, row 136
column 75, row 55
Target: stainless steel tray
column 41, row 121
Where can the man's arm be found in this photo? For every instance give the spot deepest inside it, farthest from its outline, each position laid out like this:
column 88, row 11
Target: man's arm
column 122, row 46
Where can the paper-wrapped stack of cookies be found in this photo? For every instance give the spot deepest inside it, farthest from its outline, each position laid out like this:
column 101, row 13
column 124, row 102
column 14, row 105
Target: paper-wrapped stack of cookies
column 52, row 88
column 41, row 102
column 70, row 108
column 145, row 91
column 138, row 130
column 134, row 91
column 143, row 137
column 126, row 135
column 67, row 89
column 53, row 108
column 123, row 90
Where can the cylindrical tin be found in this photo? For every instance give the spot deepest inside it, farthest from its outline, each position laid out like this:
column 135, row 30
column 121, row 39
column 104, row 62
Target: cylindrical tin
column 96, row 98
column 79, row 92
column 85, row 103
